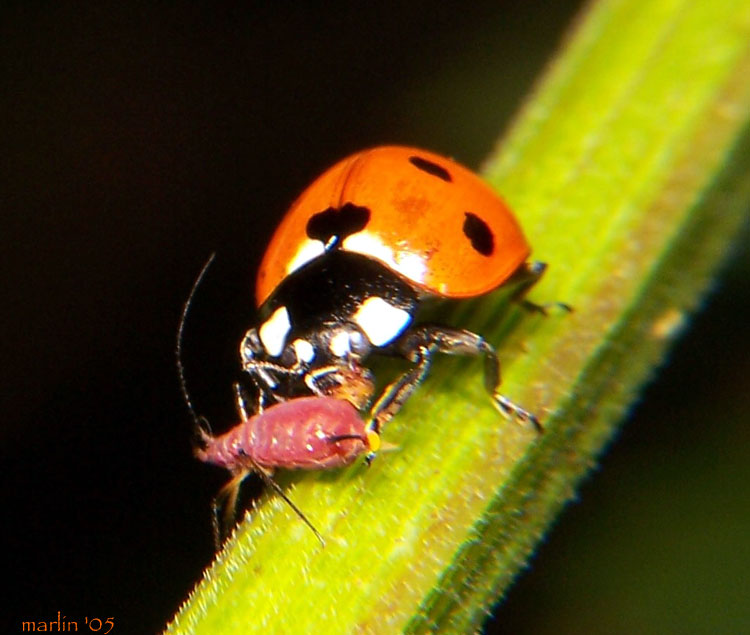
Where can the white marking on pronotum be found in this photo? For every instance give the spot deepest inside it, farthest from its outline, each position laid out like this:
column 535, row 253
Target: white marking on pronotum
column 339, row 344
column 308, row 250
column 381, row 322
column 304, row 350
column 274, row 330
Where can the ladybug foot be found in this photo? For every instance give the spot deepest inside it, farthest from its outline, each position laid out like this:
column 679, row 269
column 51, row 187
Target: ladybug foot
column 510, row 409
column 533, row 307
column 384, row 447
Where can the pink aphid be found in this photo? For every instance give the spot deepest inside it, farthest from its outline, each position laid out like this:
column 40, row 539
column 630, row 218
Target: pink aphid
column 307, row 433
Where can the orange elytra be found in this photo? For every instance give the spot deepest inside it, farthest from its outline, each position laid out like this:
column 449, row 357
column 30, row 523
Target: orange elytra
column 425, row 217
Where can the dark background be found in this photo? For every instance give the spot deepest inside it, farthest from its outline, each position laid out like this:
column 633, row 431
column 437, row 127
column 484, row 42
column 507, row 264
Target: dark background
column 138, row 137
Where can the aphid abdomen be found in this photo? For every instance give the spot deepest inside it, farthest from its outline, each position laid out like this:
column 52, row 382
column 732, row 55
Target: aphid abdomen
column 301, row 435
column 223, row 450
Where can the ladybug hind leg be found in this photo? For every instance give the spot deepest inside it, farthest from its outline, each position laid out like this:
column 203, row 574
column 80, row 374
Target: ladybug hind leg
column 525, row 277
column 419, row 346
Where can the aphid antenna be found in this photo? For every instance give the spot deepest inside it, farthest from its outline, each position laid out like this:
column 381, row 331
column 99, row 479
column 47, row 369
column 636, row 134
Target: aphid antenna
column 230, row 490
column 270, row 482
column 346, row 437
column 229, row 494
column 201, row 423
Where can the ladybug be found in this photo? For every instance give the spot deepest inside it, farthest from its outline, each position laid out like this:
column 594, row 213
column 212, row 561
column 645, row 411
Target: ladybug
column 351, row 263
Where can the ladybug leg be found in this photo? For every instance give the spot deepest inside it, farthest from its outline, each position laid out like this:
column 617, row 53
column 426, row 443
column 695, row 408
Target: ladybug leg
column 263, row 394
column 419, row 346
column 396, row 393
column 265, row 375
column 319, row 379
column 527, row 275
column 267, row 378
column 350, row 382
column 241, row 399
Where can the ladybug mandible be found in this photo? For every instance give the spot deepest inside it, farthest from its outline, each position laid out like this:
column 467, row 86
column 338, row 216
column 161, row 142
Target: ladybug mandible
column 351, row 262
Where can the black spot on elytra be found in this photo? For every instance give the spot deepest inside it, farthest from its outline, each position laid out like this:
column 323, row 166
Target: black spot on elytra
column 431, row 168
column 479, row 233
column 338, row 223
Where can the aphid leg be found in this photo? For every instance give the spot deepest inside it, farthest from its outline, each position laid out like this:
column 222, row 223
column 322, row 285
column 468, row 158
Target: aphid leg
column 527, row 275
column 229, row 494
column 419, row 346
column 268, row 480
column 226, row 497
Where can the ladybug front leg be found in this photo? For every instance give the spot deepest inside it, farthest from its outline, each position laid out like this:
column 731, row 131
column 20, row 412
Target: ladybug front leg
column 396, row 393
column 348, row 381
column 419, row 346
column 241, row 401
column 266, row 376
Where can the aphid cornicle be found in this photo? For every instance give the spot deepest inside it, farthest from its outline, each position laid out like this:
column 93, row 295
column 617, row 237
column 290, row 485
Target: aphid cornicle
column 351, row 262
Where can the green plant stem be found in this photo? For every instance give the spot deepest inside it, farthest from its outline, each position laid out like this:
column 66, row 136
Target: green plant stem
column 629, row 169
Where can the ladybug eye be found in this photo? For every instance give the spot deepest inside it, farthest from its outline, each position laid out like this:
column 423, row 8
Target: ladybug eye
column 251, row 346
column 288, row 356
column 431, row 168
column 479, row 233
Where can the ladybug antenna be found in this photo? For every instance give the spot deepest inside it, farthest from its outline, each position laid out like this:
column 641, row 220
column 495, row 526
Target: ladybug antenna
column 200, row 422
